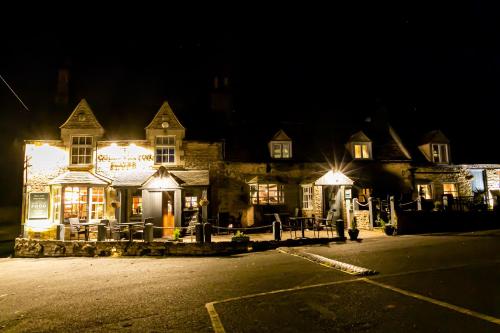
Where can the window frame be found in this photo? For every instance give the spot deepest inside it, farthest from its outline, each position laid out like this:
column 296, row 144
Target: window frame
column 281, row 145
column 169, row 147
column 451, row 192
column 362, row 151
column 256, row 198
column 79, row 146
column 83, row 206
column 308, row 197
column 440, row 155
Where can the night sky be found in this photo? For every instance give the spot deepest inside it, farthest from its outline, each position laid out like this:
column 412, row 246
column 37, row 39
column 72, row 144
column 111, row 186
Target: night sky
column 429, row 66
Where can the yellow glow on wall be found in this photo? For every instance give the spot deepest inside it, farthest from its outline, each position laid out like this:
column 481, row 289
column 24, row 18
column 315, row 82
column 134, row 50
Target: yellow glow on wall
column 334, row 178
column 45, row 158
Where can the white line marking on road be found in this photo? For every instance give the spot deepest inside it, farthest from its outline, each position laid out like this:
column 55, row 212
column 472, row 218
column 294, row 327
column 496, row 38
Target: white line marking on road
column 465, row 311
column 214, row 317
column 327, row 262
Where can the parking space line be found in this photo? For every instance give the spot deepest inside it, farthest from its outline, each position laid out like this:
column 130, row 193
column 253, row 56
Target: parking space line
column 449, row 306
column 214, row 316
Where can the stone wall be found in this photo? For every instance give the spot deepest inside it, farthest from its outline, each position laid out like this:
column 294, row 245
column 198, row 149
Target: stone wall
column 199, row 155
column 363, row 219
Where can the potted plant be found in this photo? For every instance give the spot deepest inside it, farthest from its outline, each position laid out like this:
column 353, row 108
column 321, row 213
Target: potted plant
column 177, row 235
column 353, row 231
column 240, row 237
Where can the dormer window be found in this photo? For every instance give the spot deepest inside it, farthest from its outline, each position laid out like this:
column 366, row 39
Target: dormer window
column 81, row 150
column 440, row 153
column 361, row 150
column 281, row 150
column 165, row 149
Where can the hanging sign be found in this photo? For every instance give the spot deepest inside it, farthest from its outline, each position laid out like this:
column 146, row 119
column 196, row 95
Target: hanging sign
column 39, row 205
column 348, row 193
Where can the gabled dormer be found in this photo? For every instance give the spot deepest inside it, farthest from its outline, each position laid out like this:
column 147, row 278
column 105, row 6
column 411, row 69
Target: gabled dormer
column 80, row 134
column 360, row 146
column 280, row 146
column 436, row 147
column 165, row 132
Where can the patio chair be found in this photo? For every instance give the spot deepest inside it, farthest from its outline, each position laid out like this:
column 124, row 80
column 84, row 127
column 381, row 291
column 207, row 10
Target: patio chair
column 75, row 228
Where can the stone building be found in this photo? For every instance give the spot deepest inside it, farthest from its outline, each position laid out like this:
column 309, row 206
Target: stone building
column 166, row 175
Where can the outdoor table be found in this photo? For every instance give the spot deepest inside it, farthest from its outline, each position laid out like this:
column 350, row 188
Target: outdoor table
column 129, row 225
column 301, row 219
column 87, row 228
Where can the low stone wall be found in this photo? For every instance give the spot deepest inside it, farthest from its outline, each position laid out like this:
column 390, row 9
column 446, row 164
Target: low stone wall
column 363, row 219
column 37, row 248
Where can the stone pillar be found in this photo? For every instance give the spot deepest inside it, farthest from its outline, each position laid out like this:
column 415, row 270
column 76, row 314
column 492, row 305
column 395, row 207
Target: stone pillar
column 393, row 210
column 277, row 230
column 148, row 232
column 370, row 209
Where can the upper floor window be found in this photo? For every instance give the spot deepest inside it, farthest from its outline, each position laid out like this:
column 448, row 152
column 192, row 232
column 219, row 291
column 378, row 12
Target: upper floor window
column 81, row 150
column 281, row 150
column 361, row 150
column 165, row 149
column 440, row 153
column 307, row 197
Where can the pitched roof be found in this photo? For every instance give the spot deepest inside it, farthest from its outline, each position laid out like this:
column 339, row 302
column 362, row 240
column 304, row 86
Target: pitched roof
column 82, row 117
column 435, row 136
column 80, row 177
column 165, row 114
column 281, row 136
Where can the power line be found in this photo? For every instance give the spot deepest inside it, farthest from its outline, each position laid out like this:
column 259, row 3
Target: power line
column 1, row 77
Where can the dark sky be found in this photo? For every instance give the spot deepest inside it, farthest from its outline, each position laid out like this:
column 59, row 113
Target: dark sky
column 429, row 65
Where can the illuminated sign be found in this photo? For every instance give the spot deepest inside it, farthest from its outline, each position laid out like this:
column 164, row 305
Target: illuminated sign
column 39, row 206
column 114, row 158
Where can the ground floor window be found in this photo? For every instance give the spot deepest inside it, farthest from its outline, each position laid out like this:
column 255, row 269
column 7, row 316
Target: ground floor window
column 56, row 203
column 97, row 203
column 266, row 194
column 450, row 188
column 80, row 201
column 191, row 202
column 364, row 194
column 307, row 197
column 424, row 191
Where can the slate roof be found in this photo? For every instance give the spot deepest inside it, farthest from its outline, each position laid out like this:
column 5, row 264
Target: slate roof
column 182, row 177
column 80, row 177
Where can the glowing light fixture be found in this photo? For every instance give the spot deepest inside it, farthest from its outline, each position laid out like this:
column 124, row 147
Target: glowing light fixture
column 334, row 178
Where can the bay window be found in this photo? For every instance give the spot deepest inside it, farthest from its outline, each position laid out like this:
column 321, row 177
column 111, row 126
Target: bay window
column 266, row 194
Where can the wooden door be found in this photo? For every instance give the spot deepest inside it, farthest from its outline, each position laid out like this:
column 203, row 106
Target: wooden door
column 168, row 215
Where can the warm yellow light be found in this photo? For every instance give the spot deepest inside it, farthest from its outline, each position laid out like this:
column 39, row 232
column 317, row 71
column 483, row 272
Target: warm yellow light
column 113, row 144
column 334, row 178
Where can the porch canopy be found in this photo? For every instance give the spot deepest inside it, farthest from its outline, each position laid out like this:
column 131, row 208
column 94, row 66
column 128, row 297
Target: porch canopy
column 334, row 178
column 80, row 177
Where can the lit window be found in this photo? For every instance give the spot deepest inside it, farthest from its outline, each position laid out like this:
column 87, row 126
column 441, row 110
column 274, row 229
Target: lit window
column 307, row 197
column 136, row 204
column 81, row 150
column 364, row 194
column 264, row 194
column 361, row 151
column 424, row 191
column 75, row 202
column 281, row 150
column 56, row 203
column 440, row 153
column 165, row 149
column 96, row 203
column 191, row 202
column 450, row 188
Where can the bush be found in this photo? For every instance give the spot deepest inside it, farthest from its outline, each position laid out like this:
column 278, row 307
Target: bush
column 177, row 234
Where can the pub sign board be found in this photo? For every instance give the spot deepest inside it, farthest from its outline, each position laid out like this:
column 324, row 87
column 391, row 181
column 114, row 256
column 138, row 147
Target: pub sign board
column 38, row 205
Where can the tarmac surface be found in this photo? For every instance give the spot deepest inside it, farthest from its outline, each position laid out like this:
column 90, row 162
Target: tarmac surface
column 425, row 283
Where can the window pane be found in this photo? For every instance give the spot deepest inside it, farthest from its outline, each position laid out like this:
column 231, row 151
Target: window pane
column 443, row 154
column 366, row 154
column 357, row 151
column 276, row 150
column 286, row 150
column 450, row 188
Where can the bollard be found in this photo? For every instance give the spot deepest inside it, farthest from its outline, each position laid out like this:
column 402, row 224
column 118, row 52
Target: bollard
column 148, row 232
column 207, row 232
column 199, row 232
column 101, row 232
column 340, row 228
column 60, row 232
column 277, row 230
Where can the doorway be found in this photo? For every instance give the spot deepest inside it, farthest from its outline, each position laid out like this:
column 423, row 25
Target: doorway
column 168, row 214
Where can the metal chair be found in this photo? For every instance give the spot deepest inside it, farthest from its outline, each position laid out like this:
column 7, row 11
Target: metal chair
column 75, row 227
